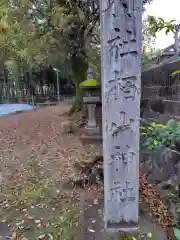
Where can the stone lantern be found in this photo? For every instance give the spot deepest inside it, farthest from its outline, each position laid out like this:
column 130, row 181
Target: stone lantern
column 91, row 98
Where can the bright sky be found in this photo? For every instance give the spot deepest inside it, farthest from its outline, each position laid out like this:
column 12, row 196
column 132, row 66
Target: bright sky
column 168, row 10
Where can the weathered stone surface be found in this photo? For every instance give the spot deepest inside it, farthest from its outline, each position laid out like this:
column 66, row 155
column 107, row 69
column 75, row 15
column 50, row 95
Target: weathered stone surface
column 161, row 166
column 91, row 99
column 92, row 127
column 121, row 83
column 89, row 139
column 177, row 167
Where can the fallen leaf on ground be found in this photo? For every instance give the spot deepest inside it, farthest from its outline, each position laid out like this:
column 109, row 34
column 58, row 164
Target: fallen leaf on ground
column 150, row 195
column 91, row 230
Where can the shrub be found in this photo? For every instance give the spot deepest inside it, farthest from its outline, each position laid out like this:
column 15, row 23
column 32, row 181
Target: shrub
column 156, row 135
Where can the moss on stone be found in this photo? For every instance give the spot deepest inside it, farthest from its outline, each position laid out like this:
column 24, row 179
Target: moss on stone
column 89, row 84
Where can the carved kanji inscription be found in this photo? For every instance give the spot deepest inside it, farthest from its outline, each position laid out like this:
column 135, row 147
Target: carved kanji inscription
column 125, row 122
column 127, row 88
column 127, row 6
column 122, row 11
column 120, row 159
column 110, row 95
column 119, row 193
column 128, row 61
column 115, row 76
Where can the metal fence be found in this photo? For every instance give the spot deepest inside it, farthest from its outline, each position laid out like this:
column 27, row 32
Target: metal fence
column 26, row 92
column 9, row 93
column 161, row 93
column 23, row 91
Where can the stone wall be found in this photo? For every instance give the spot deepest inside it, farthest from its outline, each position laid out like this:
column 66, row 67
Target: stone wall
column 161, row 92
column 161, row 167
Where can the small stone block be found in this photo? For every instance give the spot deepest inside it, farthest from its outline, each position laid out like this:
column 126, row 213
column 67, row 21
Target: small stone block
column 92, row 131
column 91, row 100
column 86, row 139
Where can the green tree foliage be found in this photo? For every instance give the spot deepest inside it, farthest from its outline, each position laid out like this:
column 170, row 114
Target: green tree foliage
column 64, row 34
column 148, row 40
column 159, row 24
column 40, row 33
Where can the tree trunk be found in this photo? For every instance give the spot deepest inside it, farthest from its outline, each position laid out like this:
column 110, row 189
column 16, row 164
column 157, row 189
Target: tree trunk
column 18, row 76
column 79, row 66
column 78, row 103
column 6, row 94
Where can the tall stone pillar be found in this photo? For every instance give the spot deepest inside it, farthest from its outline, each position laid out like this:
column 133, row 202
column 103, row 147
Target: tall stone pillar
column 121, row 87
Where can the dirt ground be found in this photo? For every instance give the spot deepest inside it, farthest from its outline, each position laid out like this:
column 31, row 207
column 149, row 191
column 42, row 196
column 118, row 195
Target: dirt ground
column 36, row 159
column 38, row 135
column 36, row 162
